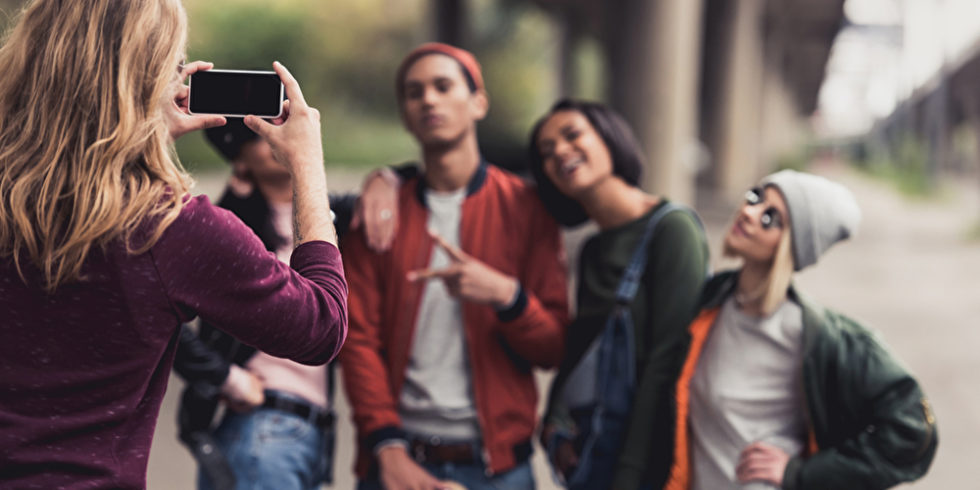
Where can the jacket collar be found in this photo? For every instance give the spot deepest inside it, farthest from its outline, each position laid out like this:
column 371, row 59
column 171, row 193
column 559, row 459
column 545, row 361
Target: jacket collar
column 718, row 288
column 476, row 182
column 723, row 284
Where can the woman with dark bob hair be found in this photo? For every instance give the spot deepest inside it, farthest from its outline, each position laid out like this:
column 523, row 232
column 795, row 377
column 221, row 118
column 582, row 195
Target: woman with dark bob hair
column 587, row 165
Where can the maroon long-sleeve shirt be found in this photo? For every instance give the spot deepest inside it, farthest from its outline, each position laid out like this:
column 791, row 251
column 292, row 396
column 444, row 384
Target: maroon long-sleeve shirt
column 83, row 371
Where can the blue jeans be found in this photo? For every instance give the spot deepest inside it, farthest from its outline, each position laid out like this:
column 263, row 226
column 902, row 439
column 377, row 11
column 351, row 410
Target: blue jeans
column 272, row 449
column 472, row 476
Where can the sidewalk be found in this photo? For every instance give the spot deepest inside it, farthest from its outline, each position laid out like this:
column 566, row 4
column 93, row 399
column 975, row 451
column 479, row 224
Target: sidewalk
column 909, row 274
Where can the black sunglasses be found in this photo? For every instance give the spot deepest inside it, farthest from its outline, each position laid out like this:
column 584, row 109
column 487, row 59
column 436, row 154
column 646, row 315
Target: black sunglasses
column 770, row 217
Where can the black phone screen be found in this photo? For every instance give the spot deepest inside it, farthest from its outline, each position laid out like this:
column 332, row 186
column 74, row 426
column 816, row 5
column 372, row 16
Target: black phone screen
column 236, row 93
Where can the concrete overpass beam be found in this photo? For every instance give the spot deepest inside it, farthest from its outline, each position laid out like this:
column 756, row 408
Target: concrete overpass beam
column 450, row 21
column 732, row 124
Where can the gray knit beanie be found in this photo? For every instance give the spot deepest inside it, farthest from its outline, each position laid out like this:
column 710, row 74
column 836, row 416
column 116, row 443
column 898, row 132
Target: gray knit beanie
column 821, row 213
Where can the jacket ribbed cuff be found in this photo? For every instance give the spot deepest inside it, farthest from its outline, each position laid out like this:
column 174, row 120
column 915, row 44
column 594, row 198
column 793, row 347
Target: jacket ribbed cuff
column 384, row 434
column 516, row 308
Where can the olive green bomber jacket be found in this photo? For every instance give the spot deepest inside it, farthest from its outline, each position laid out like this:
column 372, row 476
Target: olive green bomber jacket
column 870, row 422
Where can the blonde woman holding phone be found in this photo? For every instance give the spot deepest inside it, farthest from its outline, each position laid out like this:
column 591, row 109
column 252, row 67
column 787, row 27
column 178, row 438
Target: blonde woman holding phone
column 103, row 254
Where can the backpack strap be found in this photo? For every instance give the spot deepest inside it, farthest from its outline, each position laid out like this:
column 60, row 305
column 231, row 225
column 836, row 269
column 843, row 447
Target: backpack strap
column 634, row 271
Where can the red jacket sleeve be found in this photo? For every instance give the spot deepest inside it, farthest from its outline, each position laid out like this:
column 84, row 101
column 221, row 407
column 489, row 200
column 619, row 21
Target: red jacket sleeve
column 366, row 378
column 535, row 326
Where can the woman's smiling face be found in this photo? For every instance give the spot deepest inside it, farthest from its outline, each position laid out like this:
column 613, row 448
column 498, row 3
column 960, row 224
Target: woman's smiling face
column 573, row 154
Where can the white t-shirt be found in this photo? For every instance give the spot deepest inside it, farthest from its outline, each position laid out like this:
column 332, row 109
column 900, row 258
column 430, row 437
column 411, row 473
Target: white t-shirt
column 747, row 387
column 437, row 396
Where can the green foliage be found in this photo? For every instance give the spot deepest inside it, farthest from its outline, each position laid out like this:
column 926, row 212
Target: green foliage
column 250, row 36
column 345, row 55
column 367, row 141
column 973, row 234
column 797, row 159
column 197, row 155
column 589, row 70
column 905, row 167
column 516, row 48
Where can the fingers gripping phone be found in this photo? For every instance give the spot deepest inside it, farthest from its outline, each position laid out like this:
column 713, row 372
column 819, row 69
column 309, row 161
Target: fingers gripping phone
column 236, row 93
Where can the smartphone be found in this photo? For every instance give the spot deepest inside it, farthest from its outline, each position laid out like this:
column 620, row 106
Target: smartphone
column 236, row 93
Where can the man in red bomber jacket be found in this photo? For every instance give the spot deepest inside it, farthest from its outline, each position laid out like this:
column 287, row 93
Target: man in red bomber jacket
column 446, row 326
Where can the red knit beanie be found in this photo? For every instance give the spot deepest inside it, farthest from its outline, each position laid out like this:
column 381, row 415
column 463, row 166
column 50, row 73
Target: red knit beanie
column 465, row 58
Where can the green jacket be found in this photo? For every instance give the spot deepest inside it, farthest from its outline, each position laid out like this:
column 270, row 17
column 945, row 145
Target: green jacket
column 870, row 420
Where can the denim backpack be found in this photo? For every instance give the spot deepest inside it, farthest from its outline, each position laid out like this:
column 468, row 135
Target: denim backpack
column 599, row 390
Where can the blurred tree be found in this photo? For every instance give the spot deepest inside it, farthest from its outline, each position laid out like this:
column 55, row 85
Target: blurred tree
column 345, row 54
column 250, row 36
column 517, row 45
column 344, row 57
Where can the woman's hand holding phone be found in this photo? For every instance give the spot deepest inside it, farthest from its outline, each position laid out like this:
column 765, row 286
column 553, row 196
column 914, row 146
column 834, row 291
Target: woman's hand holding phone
column 295, row 135
column 176, row 112
column 295, row 141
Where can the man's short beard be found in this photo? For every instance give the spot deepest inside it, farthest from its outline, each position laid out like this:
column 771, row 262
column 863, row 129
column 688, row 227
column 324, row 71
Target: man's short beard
column 443, row 144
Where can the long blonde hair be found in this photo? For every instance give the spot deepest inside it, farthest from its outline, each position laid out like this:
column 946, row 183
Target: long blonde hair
column 780, row 274
column 85, row 152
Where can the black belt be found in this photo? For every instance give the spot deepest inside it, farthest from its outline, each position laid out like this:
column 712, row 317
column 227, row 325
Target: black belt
column 438, row 452
column 434, row 450
column 315, row 415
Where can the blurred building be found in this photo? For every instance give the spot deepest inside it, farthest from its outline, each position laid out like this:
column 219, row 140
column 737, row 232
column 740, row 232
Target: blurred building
column 907, row 73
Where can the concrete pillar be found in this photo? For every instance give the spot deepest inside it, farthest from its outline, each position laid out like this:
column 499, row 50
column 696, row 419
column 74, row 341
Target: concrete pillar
column 732, row 123
column 571, row 34
column 939, row 134
column 653, row 48
column 783, row 130
column 970, row 101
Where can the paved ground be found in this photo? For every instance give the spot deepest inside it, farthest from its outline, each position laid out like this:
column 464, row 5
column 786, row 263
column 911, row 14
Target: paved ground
column 910, row 273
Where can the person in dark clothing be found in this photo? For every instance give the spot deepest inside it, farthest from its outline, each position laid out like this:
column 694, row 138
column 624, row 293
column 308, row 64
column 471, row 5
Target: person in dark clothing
column 587, row 165
column 778, row 391
column 104, row 254
column 263, row 394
